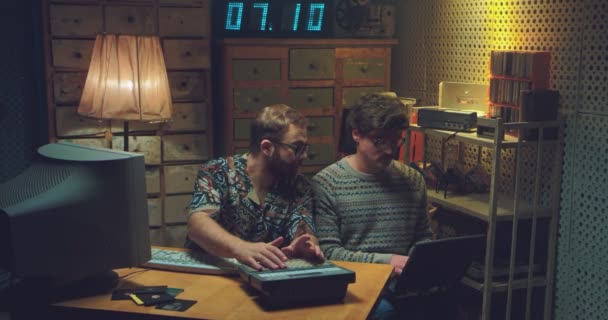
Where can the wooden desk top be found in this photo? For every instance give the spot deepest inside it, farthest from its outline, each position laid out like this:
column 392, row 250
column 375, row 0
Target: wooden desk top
column 222, row 297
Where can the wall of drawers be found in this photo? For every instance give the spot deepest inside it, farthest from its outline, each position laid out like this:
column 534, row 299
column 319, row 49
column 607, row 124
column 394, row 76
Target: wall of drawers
column 320, row 77
column 172, row 150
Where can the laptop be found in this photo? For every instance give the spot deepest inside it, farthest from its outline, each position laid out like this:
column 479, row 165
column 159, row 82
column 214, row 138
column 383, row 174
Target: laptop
column 302, row 281
column 438, row 263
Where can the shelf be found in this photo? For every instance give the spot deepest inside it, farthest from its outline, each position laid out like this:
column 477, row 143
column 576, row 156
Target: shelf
column 469, row 137
column 537, row 281
column 478, row 205
column 472, row 137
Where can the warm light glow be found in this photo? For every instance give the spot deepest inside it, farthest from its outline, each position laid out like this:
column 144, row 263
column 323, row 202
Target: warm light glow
column 127, row 80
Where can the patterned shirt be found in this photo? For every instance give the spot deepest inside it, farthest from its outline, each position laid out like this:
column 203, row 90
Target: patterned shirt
column 223, row 186
column 368, row 218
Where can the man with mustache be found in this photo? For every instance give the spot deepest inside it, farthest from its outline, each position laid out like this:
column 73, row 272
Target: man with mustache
column 369, row 207
column 256, row 207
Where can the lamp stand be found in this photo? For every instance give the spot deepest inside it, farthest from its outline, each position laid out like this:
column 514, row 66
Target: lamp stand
column 125, row 132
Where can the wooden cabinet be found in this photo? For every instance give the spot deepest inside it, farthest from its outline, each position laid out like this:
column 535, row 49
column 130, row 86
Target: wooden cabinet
column 319, row 77
column 171, row 150
column 518, row 211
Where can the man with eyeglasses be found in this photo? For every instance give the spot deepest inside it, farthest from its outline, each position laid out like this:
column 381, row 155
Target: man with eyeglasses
column 256, row 207
column 368, row 206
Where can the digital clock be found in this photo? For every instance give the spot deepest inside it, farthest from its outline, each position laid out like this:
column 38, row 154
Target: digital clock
column 270, row 18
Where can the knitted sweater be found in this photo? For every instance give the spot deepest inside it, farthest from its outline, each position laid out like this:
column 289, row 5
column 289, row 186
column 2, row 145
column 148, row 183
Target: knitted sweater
column 368, row 218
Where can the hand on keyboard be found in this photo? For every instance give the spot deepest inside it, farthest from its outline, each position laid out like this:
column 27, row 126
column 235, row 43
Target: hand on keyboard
column 260, row 254
column 304, row 247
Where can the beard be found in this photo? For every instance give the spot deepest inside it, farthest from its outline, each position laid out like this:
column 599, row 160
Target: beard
column 282, row 170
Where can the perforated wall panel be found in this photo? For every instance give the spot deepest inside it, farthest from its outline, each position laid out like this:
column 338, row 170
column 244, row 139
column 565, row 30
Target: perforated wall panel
column 451, row 40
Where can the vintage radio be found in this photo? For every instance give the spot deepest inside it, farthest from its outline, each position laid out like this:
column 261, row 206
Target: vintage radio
column 447, row 119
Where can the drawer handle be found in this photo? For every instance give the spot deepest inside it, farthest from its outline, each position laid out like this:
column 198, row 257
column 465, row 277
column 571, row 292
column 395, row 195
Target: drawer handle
column 130, row 19
column 364, row 69
column 183, row 85
column 312, row 66
column 188, row 54
column 311, row 155
column 312, row 127
column 77, row 55
column 309, row 99
column 256, row 99
column 255, row 71
column 186, row 147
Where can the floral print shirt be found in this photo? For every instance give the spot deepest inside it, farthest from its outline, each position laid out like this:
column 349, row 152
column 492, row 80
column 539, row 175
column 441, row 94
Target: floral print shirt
column 223, row 185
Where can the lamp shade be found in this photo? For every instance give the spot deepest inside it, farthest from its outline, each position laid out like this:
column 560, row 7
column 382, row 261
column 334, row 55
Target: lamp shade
column 127, row 80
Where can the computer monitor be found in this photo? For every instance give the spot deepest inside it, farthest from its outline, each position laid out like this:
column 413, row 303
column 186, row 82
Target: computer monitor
column 75, row 213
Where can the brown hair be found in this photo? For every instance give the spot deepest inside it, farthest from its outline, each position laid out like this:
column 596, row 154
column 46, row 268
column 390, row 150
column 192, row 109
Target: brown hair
column 377, row 111
column 272, row 122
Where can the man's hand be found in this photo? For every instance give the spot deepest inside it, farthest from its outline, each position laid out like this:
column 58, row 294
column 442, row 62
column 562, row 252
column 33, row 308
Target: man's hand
column 260, row 254
column 304, row 247
column 398, row 262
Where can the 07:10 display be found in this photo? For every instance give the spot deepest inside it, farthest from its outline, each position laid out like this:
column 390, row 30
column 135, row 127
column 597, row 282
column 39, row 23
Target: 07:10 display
column 261, row 16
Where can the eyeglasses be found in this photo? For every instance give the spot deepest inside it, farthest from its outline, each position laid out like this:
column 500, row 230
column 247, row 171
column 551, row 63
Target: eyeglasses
column 387, row 141
column 298, row 149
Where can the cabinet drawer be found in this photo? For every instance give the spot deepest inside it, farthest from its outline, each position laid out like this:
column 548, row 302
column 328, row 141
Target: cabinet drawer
column 320, row 126
column 186, row 54
column 149, row 146
column 350, row 96
column 310, row 98
column 312, row 64
column 157, row 237
column 185, row 147
column 117, row 126
column 176, row 208
column 184, row 22
column 256, row 69
column 187, row 117
column 188, row 86
column 75, row 20
column 180, row 178
column 67, row 87
column 72, row 53
column 155, row 211
column 241, row 129
column 240, row 151
column 91, row 142
column 138, row 20
column 152, row 180
column 175, row 236
column 320, row 154
column 190, row 3
column 364, row 68
column 69, row 123
column 254, row 99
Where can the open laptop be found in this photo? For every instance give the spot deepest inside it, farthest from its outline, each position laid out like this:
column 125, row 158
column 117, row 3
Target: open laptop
column 438, row 263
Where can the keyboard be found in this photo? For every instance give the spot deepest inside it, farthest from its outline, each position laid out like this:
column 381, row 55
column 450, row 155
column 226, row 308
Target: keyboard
column 191, row 261
column 301, row 281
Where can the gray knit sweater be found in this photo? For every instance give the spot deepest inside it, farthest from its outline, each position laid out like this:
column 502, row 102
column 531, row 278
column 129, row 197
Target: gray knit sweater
column 368, row 218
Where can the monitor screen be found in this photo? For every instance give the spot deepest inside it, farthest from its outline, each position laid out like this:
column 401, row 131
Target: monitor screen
column 76, row 212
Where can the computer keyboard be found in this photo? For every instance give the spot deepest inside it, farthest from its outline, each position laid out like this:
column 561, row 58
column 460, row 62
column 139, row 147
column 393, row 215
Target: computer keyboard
column 300, row 281
column 292, row 265
column 191, row 261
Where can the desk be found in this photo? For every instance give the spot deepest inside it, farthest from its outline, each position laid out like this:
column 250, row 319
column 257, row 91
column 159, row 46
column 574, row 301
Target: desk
column 221, row 297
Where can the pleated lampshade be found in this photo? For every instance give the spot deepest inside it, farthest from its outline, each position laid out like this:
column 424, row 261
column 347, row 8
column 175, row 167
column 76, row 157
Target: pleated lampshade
column 127, row 80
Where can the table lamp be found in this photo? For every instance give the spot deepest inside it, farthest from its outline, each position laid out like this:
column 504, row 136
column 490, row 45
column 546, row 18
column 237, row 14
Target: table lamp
column 127, row 80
